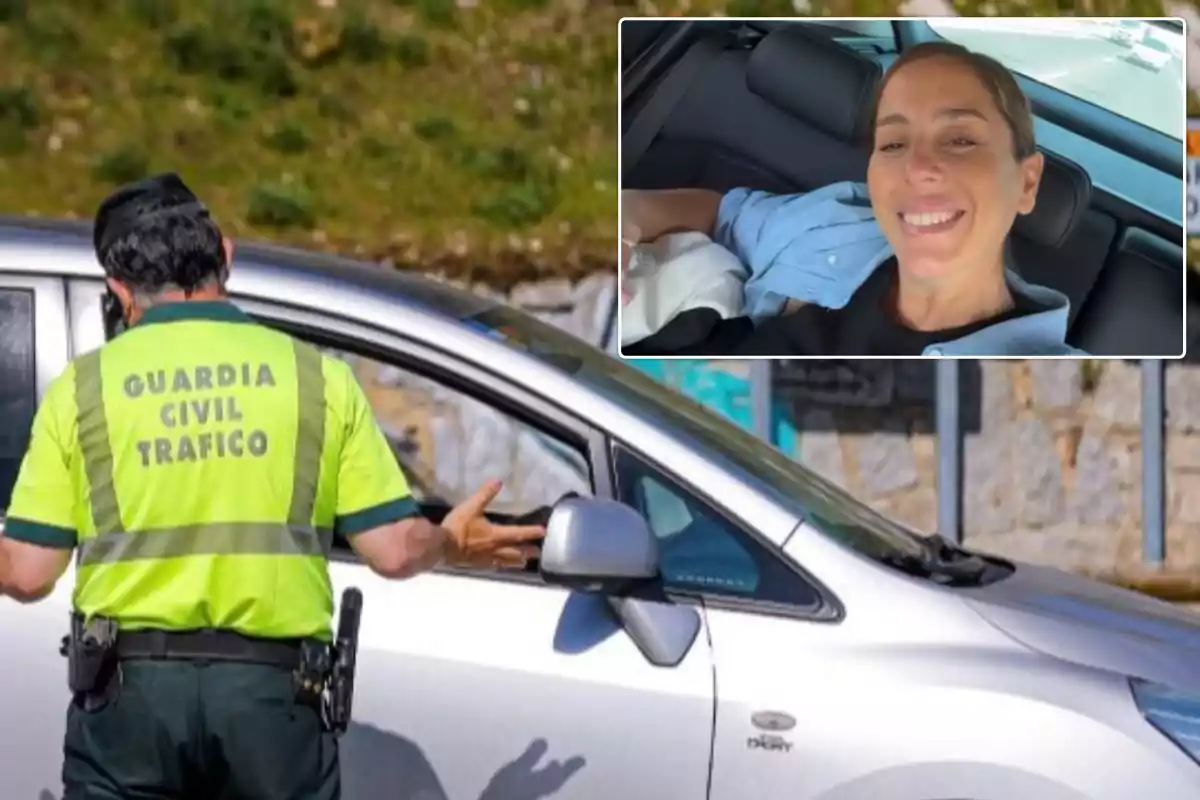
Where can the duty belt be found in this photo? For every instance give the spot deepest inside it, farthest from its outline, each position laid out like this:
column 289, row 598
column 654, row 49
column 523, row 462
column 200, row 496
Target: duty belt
column 323, row 672
column 207, row 645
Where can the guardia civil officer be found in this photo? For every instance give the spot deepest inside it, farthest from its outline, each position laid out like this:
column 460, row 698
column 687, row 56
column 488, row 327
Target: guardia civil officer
column 199, row 464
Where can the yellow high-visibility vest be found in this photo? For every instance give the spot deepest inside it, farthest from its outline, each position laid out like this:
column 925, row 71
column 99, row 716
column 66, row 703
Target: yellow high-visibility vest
column 201, row 463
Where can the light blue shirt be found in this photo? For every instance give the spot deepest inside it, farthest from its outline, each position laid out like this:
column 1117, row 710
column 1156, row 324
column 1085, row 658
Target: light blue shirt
column 820, row 247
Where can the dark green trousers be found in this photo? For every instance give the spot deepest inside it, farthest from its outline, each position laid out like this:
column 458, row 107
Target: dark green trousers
column 178, row 730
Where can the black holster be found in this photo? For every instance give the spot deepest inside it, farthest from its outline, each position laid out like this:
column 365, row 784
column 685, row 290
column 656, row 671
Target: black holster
column 92, row 664
column 313, row 672
column 325, row 676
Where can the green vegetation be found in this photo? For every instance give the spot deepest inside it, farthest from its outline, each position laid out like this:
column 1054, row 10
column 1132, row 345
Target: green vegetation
column 475, row 137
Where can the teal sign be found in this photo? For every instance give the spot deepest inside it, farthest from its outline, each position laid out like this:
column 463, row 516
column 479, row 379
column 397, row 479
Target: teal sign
column 720, row 390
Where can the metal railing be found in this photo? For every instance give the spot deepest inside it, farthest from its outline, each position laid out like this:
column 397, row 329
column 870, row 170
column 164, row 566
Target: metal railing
column 948, row 429
column 1154, row 496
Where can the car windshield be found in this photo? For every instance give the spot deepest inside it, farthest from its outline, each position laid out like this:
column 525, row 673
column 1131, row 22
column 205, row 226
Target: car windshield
column 821, row 503
column 1086, row 58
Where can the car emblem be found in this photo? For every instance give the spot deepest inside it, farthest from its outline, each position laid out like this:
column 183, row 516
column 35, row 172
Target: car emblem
column 773, row 721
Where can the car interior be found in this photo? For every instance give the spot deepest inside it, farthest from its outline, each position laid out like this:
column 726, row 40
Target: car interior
column 780, row 106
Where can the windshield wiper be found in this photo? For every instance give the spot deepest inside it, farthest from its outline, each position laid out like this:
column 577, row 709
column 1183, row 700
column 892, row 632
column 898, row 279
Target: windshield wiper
column 956, row 572
column 941, row 558
column 939, row 548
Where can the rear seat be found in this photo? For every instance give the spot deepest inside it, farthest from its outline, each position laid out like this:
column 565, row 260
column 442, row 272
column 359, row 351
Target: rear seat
column 803, row 133
column 1063, row 243
column 806, row 133
column 1144, row 273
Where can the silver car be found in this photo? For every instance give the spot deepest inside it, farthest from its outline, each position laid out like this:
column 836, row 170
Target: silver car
column 708, row 619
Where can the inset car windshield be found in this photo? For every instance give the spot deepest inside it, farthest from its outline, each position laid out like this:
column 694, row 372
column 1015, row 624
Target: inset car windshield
column 1084, row 58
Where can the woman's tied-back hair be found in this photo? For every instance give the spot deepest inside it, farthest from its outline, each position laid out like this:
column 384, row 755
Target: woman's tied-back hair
column 1006, row 93
column 156, row 235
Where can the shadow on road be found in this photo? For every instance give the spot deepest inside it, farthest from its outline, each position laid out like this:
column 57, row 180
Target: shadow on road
column 377, row 765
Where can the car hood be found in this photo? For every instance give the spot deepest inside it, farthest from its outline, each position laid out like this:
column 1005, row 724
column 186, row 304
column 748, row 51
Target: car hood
column 1094, row 624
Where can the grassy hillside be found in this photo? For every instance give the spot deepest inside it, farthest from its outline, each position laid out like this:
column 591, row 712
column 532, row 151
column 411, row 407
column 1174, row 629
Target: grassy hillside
column 474, row 136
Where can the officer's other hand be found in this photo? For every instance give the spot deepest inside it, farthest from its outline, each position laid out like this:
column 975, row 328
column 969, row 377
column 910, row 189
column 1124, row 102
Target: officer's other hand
column 478, row 542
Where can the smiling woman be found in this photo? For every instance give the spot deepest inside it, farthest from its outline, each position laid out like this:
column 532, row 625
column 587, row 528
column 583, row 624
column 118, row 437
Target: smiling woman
column 893, row 193
column 912, row 263
column 953, row 163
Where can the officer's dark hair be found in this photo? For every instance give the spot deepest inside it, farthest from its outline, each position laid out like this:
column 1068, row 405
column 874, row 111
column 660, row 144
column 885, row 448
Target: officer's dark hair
column 156, row 235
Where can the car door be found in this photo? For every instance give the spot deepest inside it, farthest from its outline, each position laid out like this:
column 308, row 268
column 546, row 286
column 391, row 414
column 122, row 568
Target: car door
column 481, row 685
column 761, row 612
column 33, row 696
column 471, row 684
column 637, row 35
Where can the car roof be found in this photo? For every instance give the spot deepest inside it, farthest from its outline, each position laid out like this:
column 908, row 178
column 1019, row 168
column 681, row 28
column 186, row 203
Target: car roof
column 371, row 295
column 309, row 269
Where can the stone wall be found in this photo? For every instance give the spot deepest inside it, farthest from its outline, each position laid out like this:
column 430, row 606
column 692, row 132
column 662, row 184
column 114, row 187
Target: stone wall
column 1052, row 458
column 1052, row 453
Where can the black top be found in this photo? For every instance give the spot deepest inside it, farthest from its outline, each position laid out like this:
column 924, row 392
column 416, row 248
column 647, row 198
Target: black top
column 862, row 328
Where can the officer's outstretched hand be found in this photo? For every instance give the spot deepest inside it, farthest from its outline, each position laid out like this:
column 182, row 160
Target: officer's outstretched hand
column 477, row 542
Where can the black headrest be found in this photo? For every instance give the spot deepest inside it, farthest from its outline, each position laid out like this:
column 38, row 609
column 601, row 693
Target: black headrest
column 1063, row 196
column 825, row 84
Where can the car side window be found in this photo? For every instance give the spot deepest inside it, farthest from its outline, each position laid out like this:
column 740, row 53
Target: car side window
column 450, row 443
column 700, row 550
column 18, row 384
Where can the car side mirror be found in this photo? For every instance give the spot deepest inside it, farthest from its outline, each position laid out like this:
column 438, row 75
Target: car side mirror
column 598, row 546
column 605, row 547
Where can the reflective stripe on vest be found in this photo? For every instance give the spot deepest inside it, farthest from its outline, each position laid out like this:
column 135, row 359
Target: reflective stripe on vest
column 113, row 543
